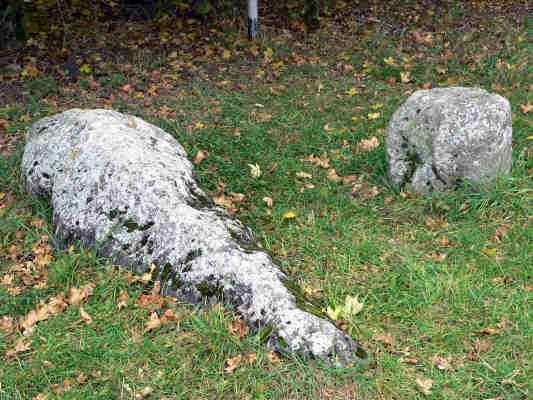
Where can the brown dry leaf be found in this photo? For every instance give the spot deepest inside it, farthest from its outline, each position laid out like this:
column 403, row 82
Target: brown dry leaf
column 322, row 162
column 250, row 358
column 500, row 232
column 405, row 76
column 273, row 357
column 57, row 304
column 444, row 241
column 15, row 291
column 442, row 363
column 238, row 328
column 410, row 360
column 333, row 176
column 85, row 316
column 385, row 338
column 225, row 202
column 232, row 364
column 268, row 201
column 368, row 144
column 154, row 322
column 200, row 156
column 424, row 385
column 81, row 378
column 526, row 108
column 28, row 322
column 349, row 179
column 169, row 315
column 7, row 324
column 123, row 298
column 423, row 38
column 490, row 331
column 150, row 301
column 303, row 175
column 482, row 345
column 21, row 346
column 7, row 279
column 78, row 295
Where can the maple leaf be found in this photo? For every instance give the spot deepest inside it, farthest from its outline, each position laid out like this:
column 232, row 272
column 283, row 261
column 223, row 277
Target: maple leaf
column 405, row 77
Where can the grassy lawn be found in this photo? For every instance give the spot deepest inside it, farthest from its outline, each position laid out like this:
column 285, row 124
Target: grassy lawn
column 446, row 280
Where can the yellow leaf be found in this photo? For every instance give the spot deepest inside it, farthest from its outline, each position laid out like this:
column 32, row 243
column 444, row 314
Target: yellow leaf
column 352, row 92
column 389, row 61
column 405, row 77
column 352, row 306
column 86, row 69
column 226, row 54
column 491, row 252
column 289, row 215
column 374, row 115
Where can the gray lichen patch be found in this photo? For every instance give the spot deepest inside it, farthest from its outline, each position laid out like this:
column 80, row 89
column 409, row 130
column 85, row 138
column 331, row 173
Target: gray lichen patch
column 127, row 189
column 441, row 137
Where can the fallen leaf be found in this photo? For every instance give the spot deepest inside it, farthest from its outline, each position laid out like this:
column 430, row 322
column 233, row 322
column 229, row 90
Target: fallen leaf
column 21, row 346
column 322, row 162
column 500, row 232
column 7, row 324
column 526, row 108
column 250, row 358
column 490, row 331
column 78, row 295
column 200, row 156
column 368, row 144
column 352, row 306
column 232, row 364
column 424, row 385
column 154, row 322
column 268, row 201
column 255, row 170
column 144, row 392
column 289, row 215
column 352, row 92
column 442, row 363
column 304, row 175
column 169, row 315
column 385, row 338
column 273, row 357
column 238, row 328
column 333, row 176
column 81, row 378
column 373, row 115
column 405, row 77
column 85, row 316
column 123, row 298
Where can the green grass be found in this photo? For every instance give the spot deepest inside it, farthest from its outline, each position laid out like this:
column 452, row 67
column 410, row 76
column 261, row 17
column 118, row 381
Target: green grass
column 427, row 268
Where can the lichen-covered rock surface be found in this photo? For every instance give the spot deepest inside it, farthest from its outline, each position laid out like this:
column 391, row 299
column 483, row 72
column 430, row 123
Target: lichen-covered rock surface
column 441, row 137
column 127, row 189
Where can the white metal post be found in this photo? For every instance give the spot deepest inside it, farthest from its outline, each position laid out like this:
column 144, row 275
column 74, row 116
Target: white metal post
column 253, row 19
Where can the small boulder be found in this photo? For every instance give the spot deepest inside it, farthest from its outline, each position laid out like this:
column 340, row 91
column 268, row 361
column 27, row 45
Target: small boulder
column 126, row 188
column 441, row 137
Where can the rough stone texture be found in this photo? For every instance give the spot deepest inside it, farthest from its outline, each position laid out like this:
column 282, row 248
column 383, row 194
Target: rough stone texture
column 441, row 137
column 126, row 188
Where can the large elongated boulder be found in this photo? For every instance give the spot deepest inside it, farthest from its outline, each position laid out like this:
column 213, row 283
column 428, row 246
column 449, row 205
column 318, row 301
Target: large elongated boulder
column 441, row 137
column 127, row 189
